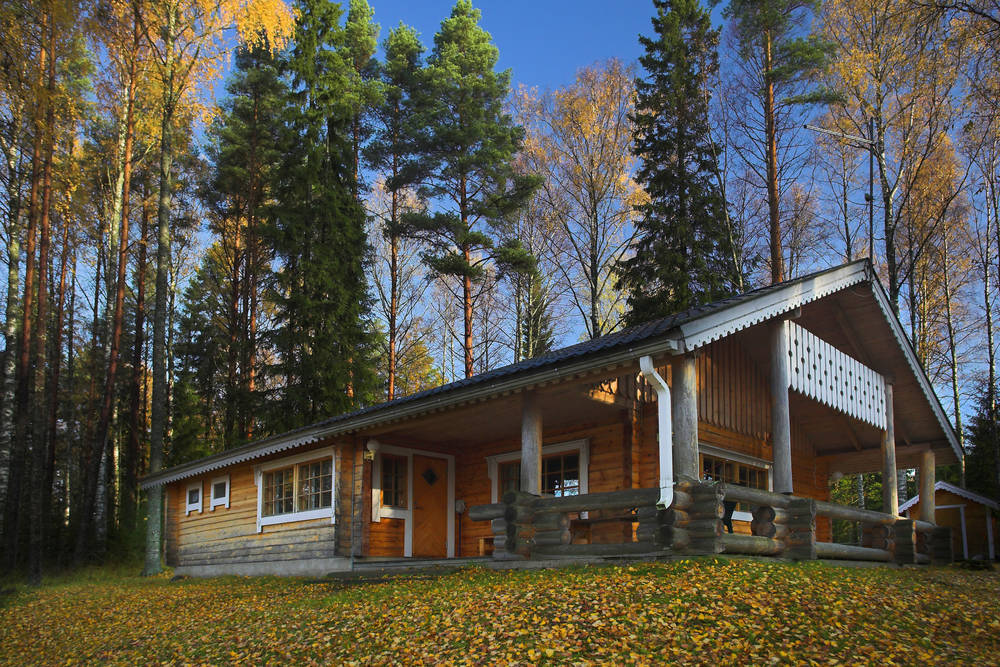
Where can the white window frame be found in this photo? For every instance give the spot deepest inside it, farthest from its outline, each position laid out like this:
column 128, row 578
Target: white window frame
column 380, row 511
column 224, row 500
column 737, row 457
column 294, row 461
column 582, row 446
column 196, row 506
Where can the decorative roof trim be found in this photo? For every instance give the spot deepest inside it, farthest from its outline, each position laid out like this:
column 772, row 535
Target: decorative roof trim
column 745, row 314
column 958, row 491
column 882, row 299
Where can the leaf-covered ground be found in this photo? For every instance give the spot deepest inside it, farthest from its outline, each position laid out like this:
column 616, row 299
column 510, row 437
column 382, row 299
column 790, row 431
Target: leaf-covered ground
column 721, row 612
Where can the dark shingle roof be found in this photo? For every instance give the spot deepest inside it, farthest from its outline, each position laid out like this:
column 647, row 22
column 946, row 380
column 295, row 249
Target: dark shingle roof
column 649, row 332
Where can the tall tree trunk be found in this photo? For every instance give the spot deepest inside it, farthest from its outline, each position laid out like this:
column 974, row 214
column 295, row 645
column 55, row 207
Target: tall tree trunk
column 777, row 259
column 393, row 287
column 953, row 357
column 12, row 312
column 23, row 392
column 38, row 449
column 158, row 420
column 55, row 366
column 104, row 421
column 136, row 431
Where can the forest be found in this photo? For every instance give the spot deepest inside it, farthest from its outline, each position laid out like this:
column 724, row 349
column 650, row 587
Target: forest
column 224, row 219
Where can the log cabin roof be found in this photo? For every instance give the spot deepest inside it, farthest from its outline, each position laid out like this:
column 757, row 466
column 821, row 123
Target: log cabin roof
column 681, row 332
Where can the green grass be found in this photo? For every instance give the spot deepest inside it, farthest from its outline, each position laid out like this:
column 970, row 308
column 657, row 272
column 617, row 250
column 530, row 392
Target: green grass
column 729, row 612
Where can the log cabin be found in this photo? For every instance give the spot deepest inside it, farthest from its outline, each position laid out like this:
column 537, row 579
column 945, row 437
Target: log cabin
column 714, row 430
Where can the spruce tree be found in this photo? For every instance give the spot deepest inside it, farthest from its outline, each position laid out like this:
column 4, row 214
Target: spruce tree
column 681, row 248
column 244, row 151
column 324, row 338
column 466, row 143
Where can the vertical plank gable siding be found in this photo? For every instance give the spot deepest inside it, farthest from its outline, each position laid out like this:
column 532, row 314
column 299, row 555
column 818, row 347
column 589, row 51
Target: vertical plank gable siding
column 229, row 535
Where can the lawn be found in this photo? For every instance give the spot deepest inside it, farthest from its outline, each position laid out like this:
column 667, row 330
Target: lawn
column 714, row 612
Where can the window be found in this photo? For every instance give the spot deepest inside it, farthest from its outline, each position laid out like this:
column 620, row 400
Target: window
column 220, row 492
column 394, row 481
column 193, row 499
column 561, row 474
column 564, row 470
column 734, row 472
column 296, row 489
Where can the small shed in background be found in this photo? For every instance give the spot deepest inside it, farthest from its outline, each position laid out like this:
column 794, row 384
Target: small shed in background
column 971, row 517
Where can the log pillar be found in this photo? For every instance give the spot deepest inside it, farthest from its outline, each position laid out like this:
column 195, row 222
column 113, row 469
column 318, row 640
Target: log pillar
column 928, row 506
column 531, row 444
column 890, row 492
column 781, row 428
column 684, row 415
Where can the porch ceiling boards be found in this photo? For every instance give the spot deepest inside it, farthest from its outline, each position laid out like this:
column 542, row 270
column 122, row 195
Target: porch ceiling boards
column 564, row 407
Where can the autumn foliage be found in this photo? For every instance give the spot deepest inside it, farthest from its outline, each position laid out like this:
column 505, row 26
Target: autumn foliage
column 719, row 612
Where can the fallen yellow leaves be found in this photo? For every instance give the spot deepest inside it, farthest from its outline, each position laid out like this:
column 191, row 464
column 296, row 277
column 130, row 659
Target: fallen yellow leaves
column 689, row 612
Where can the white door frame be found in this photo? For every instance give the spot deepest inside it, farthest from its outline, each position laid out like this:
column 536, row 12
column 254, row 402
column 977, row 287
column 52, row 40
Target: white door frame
column 379, row 511
column 965, row 537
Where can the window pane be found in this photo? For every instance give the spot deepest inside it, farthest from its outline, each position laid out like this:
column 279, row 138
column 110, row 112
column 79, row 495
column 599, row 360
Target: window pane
column 394, row 481
column 510, row 477
column 218, row 490
column 561, row 474
column 313, row 478
column 278, row 492
column 192, row 496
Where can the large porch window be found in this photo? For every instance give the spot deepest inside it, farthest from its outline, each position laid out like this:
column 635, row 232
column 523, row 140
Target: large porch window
column 297, row 488
column 564, row 470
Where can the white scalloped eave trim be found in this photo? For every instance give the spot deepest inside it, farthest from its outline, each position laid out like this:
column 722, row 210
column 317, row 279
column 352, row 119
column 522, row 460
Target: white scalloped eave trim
column 280, row 446
column 746, row 314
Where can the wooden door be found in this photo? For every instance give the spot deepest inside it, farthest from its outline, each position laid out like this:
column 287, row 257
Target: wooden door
column 430, row 507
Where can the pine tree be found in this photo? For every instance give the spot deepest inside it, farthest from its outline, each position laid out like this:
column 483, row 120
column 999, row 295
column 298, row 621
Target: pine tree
column 767, row 31
column 244, row 153
column 317, row 229
column 682, row 247
column 467, row 144
column 391, row 152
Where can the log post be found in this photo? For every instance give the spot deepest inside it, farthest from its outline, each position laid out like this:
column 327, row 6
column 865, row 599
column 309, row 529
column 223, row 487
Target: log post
column 904, row 534
column 928, row 505
column 684, row 412
column 519, row 519
column 704, row 524
column 531, row 444
column 890, row 492
column 800, row 519
column 781, row 429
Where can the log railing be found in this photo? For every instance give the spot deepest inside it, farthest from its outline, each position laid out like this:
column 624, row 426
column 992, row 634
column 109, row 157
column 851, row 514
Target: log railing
column 529, row 526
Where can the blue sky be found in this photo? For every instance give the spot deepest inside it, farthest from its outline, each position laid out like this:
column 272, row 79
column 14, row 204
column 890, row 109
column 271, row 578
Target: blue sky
column 543, row 42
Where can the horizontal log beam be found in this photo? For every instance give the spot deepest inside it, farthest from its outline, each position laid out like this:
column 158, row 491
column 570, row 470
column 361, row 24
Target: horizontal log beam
column 851, row 552
column 848, row 513
column 486, row 512
column 751, row 545
column 627, row 498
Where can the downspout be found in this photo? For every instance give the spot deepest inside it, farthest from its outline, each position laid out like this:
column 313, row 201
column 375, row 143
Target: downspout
column 665, row 430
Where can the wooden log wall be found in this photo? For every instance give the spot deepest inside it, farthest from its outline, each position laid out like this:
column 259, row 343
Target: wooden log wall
column 229, row 535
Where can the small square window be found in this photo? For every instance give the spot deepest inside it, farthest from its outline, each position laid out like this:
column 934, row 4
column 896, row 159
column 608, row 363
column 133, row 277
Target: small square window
column 193, row 499
column 220, row 492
